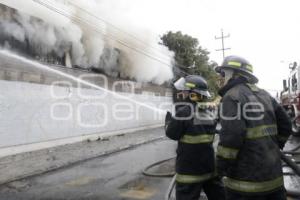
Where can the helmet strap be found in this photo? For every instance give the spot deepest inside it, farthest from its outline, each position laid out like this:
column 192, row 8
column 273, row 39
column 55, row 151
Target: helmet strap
column 229, row 74
column 243, row 75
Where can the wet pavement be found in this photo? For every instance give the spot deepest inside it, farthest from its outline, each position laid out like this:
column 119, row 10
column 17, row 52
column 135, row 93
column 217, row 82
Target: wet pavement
column 292, row 182
column 115, row 177
column 33, row 163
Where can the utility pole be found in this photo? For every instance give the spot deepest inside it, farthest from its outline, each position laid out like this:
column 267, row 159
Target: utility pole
column 222, row 38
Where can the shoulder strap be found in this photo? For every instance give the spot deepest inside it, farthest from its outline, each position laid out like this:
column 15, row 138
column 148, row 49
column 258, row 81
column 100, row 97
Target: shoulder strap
column 253, row 87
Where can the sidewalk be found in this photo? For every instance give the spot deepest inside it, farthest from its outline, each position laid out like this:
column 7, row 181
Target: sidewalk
column 34, row 163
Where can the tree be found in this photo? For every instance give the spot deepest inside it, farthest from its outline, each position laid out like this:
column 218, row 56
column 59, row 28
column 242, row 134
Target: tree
column 190, row 57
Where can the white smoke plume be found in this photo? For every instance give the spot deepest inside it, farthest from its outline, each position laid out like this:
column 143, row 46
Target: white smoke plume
column 97, row 32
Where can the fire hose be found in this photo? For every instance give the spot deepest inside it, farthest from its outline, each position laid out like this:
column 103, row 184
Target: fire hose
column 293, row 150
column 293, row 165
column 286, row 159
column 290, row 163
column 168, row 174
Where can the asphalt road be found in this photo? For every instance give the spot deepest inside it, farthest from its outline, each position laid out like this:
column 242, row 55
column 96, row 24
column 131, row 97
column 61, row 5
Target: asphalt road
column 114, row 177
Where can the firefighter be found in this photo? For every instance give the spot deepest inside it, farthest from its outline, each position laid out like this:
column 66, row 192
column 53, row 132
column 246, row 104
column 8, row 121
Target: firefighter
column 254, row 129
column 193, row 126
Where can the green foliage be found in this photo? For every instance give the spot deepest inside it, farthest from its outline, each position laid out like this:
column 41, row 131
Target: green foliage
column 190, row 57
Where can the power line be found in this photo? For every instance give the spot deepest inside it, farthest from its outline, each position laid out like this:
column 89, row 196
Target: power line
column 223, row 46
column 116, row 28
column 77, row 19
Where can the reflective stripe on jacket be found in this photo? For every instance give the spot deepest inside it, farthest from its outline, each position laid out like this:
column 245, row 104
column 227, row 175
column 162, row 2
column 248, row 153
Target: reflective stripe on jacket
column 181, row 178
column 195, row 154
column 249, row 141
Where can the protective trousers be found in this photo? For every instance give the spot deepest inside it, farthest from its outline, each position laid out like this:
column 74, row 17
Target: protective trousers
column 277, row 195
column 213, row 189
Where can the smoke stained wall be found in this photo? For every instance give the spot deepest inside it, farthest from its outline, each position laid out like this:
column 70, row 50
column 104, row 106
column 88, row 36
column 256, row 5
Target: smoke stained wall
column 111, row 47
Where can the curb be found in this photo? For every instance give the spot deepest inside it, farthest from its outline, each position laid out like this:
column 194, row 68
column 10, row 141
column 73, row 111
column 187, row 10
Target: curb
column 76, row 162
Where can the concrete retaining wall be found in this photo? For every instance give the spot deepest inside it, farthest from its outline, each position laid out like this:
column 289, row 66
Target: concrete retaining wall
column 34, row 114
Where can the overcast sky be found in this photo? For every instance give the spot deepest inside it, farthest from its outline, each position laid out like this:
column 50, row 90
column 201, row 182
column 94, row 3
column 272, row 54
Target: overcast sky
column 266, row 32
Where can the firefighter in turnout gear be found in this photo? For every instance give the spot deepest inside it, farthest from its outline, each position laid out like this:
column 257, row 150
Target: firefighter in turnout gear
column 254, row 129
column 193, row 126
